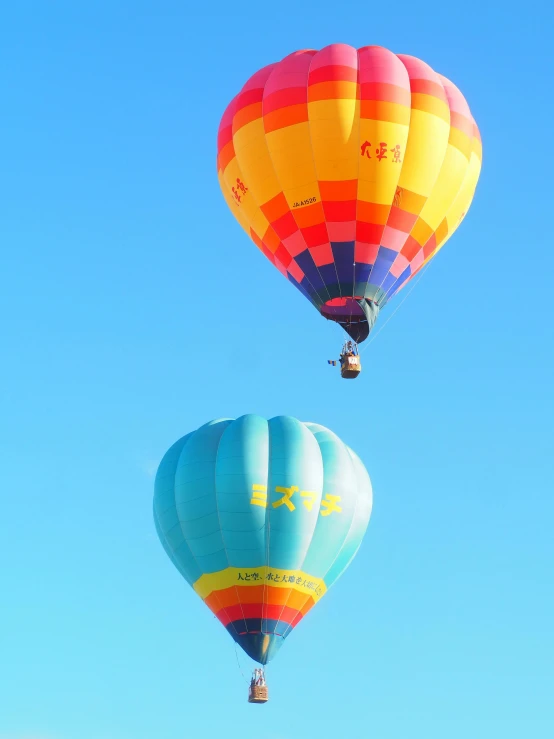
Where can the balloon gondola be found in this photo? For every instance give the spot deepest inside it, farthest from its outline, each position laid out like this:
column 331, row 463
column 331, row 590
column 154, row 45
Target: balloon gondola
column 349, row 360
column 257, row 690
column 349, row 169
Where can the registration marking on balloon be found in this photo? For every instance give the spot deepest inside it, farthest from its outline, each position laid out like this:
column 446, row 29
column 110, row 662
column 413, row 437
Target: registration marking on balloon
column 302, row 203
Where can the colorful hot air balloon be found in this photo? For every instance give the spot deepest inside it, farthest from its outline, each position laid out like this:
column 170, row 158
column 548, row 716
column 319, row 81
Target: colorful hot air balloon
column 349, row 169
column 260, row 518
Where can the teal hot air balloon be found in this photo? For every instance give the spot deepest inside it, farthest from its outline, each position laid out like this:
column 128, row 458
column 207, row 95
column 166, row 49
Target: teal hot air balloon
column 260, row 518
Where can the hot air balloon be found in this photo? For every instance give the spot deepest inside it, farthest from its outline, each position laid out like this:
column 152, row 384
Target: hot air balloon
column 349, row 169
column 261, row 518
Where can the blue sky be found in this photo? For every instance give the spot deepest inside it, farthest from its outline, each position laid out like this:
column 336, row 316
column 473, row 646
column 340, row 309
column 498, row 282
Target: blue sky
column 129, row 300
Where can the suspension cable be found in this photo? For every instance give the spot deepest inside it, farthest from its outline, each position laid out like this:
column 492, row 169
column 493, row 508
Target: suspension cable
column 423, row 271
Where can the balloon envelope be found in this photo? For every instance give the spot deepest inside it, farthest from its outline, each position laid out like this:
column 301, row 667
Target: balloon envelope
column 349, row 169
column 260, row 518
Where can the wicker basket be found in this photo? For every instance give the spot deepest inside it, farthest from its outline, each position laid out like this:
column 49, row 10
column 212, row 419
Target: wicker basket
column 350, row 366
column 258, row 694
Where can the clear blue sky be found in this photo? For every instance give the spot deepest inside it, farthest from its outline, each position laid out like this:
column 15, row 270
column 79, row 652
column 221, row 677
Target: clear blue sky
column 129, row 300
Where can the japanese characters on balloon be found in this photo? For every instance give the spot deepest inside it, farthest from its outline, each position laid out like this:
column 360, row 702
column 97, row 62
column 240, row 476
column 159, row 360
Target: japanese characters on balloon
column 349, row 169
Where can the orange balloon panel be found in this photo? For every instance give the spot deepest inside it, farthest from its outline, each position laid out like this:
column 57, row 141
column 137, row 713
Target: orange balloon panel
column 349, row 169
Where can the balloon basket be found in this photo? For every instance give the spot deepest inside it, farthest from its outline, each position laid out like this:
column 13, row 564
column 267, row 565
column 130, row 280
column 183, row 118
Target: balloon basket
column 258, row 694
column 350, row 367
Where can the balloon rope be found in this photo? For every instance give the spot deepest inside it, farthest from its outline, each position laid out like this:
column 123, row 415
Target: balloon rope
column 423, row 271
column 239, row 666
column 267, row 553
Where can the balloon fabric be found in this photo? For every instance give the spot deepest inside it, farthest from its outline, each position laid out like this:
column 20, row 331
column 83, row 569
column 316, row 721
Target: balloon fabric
column 261, row 518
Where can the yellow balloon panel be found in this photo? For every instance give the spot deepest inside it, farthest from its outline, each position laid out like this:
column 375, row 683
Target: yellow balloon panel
column 460, row 206
column 446, row 187
column 425, row 152
column 334, row 134
column 255, row 161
